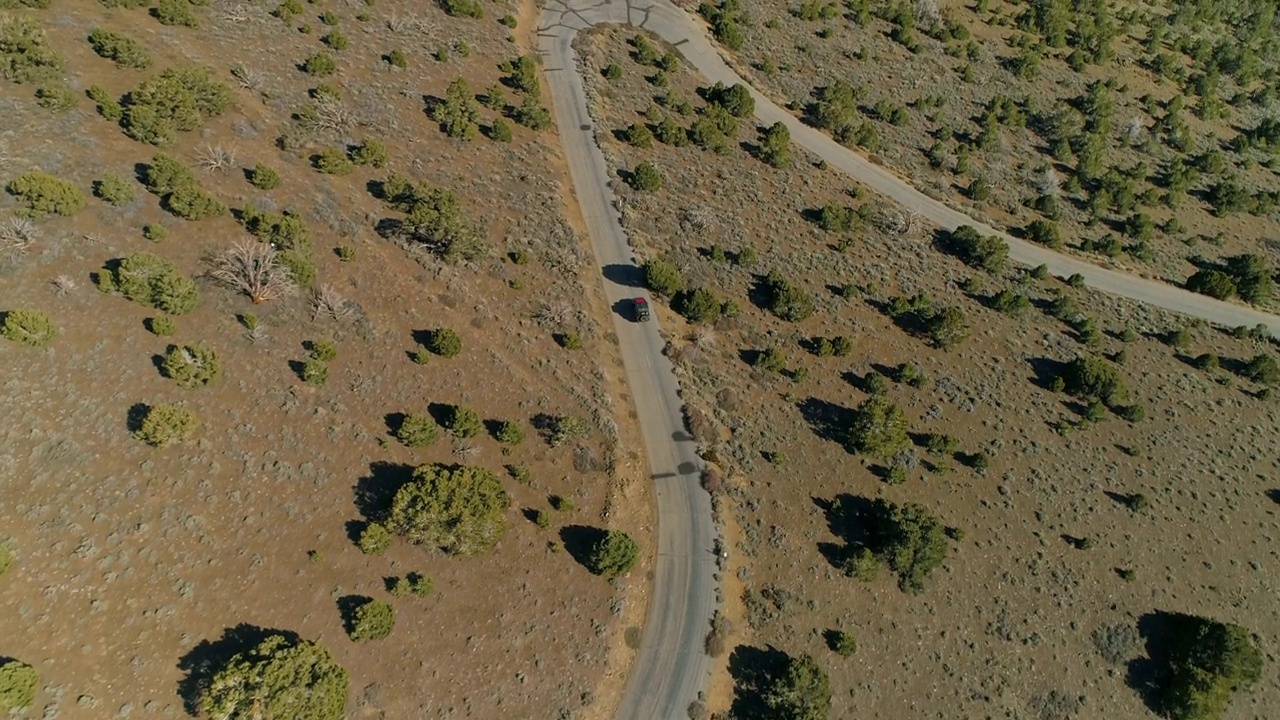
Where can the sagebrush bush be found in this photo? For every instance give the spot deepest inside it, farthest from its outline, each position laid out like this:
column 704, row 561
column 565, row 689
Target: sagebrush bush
column 417, row 430
column 371, row 620
column 444, row 342
column 164, row 425
column 24, row 55
column 44, row 194
column 178, row 100
column 370, row 152
column 332, row 161
column 263, row 177
column 114, row 190
column 175, row 12
column 147, row 278
column 125, row 52
column 191, row 365
column 29, row 327
column 56, row 96
column 321, row 64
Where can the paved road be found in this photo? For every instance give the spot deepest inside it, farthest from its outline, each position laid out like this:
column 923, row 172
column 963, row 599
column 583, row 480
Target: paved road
column 671, row 667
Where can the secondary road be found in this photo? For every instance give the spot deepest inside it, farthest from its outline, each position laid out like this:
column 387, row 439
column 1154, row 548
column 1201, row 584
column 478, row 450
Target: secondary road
column 671, row 667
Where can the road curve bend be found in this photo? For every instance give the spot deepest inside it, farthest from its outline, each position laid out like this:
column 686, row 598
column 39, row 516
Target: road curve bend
column 671, row 667
column 563, row 18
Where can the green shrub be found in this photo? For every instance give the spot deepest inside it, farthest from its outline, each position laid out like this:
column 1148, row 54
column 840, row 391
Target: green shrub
column 612, row 71
column 785, row 300
column 191, row 365
column 417, row 430
column 613, row 555
column 178, row 100
column 125, row 52
column 662, row 277
column 1262, row 368
column 698, row 305
column 285, row 230
column 459, row 509
column 278, row 677
column 842, row 643
column 499, row 131
column 462, row 422
column 321, row 64
column 371, row 620
column 910, row 540
column 300, row 266
column 147, row 278
column 879, row 429
column 175, row 12
column 24, row 55
column 6, row 558
column 114, row 190
column 190, row 202
column 155, row 232
column 18, row 683
column 161, row 326
column 463, row 8
column 444, row 342
column 164, row 425
column 646, row 177
column 1214, row 283
column 335, row 40
column 370, row 152
column 415, row 584
column 564, row 428
column 457, row 113
column 397, row 58
column 108, row 107
column 315, row 371
column 288, row 10
column 44, row 194
column 1207, row 661
column 263, row 177
column 531, row 114
column 55, row 96
column 434, row 217
column 328, row 17
column 332, row 161
column 510, row 432
column 375, row 538
column 322, row 350
column 29, row 327
column 986, row 252
column 346, row 253
column 770, row 360
column 1091, row 377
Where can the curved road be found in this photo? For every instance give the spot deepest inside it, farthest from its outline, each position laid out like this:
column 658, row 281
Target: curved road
column 671, row 667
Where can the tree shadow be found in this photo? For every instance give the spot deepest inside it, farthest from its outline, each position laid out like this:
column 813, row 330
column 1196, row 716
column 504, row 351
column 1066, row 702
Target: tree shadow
column 579, row 540
column 393, row 422
column 1274, row 494
column 530, row 514
column 828, row 420
column 624, row 274
column 201, row 662
column 1045, row 370
column 440, row 412
column 137, row 413
column 1164, row 634
column 752, row 670
column 374, row 492
column 848, row 518
column 347, row 606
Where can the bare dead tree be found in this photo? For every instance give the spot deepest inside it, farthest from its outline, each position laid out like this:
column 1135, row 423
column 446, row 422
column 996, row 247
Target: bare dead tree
column 254, row 268
column 697, row 220
column 327, row 302
column 17, row 236
column 556, row 314
column 249, row 78
column 62, row 285
column 1048, row 182
column 927, row 14
column 464, row 450
column 327, row 113
column 216, row 158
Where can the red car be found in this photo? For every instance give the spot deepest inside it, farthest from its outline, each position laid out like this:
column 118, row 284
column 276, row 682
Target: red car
column 640, row 307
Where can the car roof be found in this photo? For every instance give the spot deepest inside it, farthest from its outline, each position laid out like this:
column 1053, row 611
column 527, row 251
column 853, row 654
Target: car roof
column 640, row 300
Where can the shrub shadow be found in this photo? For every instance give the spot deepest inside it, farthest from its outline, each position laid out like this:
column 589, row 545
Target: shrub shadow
column 578, row 541
column 347, row 605
column 752, row 670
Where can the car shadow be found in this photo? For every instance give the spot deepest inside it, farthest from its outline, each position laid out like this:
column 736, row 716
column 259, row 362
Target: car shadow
column 626, row 275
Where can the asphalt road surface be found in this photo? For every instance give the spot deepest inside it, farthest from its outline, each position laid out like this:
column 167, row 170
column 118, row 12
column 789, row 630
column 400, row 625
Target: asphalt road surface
column 671, row 667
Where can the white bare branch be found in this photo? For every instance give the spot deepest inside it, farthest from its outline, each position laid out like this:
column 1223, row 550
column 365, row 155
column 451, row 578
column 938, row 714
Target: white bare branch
column 216, row 158
column 328, row 113
column 327, row 302
column 17, row 236
column 254, row 268
column 62, row 285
